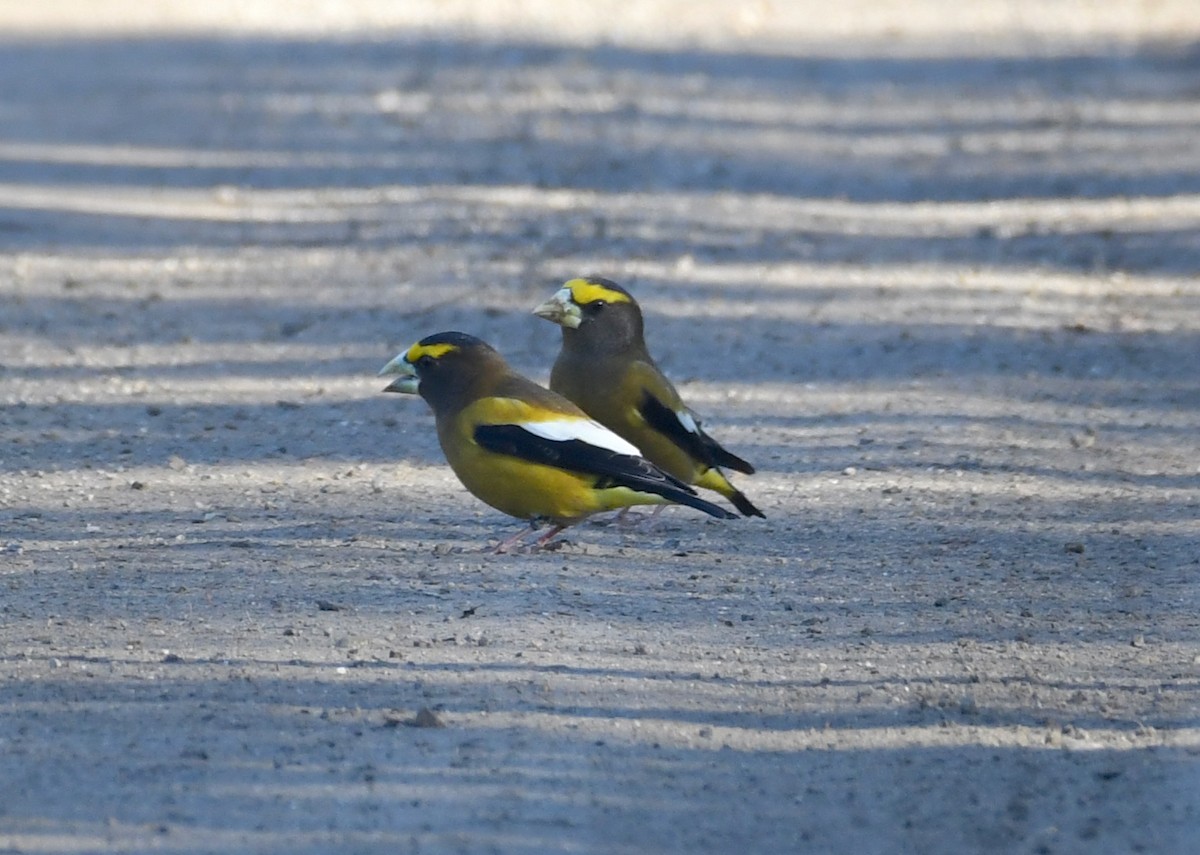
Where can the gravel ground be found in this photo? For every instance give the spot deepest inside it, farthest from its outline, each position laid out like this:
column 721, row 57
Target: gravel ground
column 932, row 266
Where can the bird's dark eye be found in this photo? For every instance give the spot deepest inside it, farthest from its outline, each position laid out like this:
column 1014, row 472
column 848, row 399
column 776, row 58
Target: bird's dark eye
column 425, row 362
column 598, row 304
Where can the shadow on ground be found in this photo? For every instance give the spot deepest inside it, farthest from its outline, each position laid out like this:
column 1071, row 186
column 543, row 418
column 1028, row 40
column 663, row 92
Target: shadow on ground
column 428, row 787
column 276, row 115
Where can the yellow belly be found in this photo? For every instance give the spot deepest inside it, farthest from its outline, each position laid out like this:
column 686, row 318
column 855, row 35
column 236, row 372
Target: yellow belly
column 531, row 490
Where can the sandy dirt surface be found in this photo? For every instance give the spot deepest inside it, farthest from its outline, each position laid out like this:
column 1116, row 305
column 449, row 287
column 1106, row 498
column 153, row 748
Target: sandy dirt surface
column 931, row 265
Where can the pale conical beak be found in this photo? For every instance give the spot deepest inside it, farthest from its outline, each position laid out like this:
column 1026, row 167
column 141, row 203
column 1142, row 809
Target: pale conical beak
column 407, row 382
column 561, row 309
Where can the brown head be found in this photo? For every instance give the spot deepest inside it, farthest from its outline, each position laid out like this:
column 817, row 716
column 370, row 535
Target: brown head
column 596, row 314
column 448, row 370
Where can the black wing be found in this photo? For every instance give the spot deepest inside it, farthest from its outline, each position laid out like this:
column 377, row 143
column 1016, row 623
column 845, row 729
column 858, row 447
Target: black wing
column 611, row 468
column 699, row 445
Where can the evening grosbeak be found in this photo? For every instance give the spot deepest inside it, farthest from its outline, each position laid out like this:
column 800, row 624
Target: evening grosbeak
column 605, row 369
column 523, row 449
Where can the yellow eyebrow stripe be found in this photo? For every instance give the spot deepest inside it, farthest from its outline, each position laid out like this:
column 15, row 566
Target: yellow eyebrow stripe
column 584, row 291
column 436, row 351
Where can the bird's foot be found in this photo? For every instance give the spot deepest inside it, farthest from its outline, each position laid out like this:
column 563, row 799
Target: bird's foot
column 513, row 544
column 543, row 542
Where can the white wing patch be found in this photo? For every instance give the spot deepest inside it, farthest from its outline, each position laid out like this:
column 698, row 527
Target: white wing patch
column 593, row 433
column 688, row 422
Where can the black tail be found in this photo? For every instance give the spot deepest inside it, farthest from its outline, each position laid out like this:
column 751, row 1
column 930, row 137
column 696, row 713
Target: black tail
column 722, row 457
column 701, row 505
column 744, row 505
column 681, row 492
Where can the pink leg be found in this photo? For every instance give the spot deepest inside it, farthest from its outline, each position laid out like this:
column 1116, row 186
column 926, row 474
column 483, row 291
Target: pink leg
column 548, row 536
column 506, row 545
